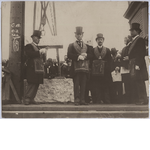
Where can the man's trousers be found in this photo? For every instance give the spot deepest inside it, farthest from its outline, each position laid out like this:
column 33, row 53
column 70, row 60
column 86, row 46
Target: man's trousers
column 31, row 91
column 80, row 80
column 140, row 88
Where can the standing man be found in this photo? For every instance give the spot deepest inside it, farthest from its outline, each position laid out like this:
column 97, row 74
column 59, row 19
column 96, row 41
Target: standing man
column 80, row 54
column 137, row 65
column 101, row 82
column 35, row 67
column 126, row 79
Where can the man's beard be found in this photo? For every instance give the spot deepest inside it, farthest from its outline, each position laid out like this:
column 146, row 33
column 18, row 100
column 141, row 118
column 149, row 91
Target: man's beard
column 100, row 44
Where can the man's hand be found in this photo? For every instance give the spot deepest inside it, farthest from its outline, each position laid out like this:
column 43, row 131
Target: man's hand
column 137, row 67
column 81, row 57
column 84, row 55
column 117, row 69
column 126, row 58
column 42, row 51
column 100, row 57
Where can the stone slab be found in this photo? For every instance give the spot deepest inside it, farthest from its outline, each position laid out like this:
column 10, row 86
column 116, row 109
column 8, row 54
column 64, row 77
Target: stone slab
column 74, row 114
column 55, row 90
column 72, row 107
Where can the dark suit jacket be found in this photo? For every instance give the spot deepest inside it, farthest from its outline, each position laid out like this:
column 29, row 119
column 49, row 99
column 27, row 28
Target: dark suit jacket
column 125, row 51
column 31, row 76
column 107, row 78
column 138, row 52
column 115, row 63
column 73, row 55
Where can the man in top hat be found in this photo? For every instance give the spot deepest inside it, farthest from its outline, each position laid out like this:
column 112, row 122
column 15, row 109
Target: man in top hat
column 138, row 71
column 101, row 84
column 80, row 54
column 34, row 78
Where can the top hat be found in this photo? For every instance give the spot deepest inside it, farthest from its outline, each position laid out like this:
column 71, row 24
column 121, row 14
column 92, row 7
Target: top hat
column 99, row 35
column 135, row 26
column 36, row 33
column 79, row 30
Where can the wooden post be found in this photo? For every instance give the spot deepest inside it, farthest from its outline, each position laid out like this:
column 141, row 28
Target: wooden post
column 16, row 45
column 57, row 53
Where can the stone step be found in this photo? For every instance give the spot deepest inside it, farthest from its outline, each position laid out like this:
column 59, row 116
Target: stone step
column 71, row 111
column 75, row 114
column 71, row 107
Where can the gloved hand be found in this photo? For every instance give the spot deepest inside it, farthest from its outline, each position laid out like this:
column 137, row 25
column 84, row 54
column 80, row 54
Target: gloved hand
column 42, row 51
column 117, row 69
column 137, row 67
column 100, row 57
column 81, row 57
column 126, row 58
column 84, row 55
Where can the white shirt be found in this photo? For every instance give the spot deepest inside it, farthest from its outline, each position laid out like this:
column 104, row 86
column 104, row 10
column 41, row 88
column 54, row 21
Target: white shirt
column 34, row 43
column 135, row 37
column 129, row 43
column 80, row 42
column 100, row 46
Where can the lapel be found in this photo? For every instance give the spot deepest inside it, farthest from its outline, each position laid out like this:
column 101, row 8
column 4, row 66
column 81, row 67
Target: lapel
column 35, row 47
column 133, row 44
column 98, row 54
column 78, row 49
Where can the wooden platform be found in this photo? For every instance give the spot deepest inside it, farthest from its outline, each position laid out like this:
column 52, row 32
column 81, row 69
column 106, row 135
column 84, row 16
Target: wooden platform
column 71, row 111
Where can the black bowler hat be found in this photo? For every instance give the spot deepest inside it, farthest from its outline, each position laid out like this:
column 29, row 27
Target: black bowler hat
column 79, row 30
column 99, row 35
column 135, row 26
column 36, row 33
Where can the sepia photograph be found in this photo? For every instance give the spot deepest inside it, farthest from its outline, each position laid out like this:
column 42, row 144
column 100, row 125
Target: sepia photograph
column 74, row 59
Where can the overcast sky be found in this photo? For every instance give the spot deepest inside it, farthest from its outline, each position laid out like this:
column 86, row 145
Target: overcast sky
column 94, row 17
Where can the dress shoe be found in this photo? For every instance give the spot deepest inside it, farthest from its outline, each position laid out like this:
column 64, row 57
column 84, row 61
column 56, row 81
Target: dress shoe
column 107, row 102
column 141, row 103
column 76, row 104
column 27, row 101
column 83, row 103
column 33, row 102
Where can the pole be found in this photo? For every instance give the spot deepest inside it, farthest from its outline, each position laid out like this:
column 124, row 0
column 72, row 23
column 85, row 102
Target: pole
column 16, row 46
column 57, row 53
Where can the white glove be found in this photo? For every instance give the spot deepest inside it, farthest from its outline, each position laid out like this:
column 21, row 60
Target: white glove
column 42, row 51
column 116, row 69
column 84, row 54
column 118, row 55
column 80, row 57
column 100, row 57
column 126, row 58
column 137, row 67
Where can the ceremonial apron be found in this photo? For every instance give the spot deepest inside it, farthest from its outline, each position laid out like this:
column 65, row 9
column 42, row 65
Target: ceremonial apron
column 98, row 65
column 81, row 65
column 38, row 63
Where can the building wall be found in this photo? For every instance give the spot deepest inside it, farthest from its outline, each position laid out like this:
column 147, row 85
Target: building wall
column 141, row 16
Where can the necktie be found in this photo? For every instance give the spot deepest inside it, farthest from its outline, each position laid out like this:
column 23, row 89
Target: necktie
column 79, row 43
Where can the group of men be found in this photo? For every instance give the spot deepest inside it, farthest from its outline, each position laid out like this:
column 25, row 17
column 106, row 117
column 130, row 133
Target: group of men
column 91, row 68
column 98, row 74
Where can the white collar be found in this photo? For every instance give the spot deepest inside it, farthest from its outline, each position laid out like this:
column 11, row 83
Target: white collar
column 135, row 37
column 79, row 41
column 35, row 44
column 128, row 43
column 100, row 46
